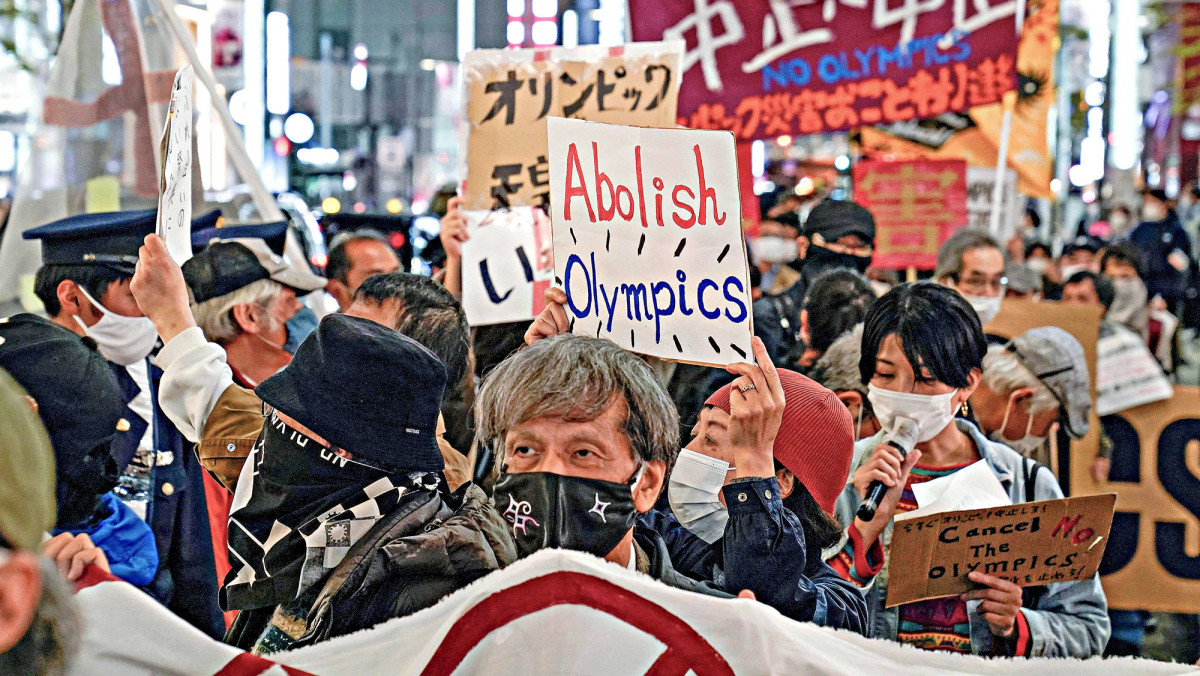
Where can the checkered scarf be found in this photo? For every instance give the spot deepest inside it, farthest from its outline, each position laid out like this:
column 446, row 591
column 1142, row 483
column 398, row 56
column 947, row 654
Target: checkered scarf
column 298, row 513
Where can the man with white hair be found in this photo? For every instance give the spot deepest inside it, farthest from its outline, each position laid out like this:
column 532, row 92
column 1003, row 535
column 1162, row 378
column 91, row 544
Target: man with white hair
column 1037, row 379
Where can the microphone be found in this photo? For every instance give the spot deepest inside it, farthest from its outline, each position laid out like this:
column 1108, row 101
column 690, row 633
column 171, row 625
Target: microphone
column 902, row 437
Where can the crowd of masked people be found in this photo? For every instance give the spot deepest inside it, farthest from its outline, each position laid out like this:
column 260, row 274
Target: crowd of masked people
column 278, row 479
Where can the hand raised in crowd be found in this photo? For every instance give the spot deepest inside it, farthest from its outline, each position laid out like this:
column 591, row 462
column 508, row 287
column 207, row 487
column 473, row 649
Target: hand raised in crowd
column 1001, row 602
column 454, row 228
column 552, row 320
column 886, row 465
column 160, row 290
column 756, row 403
column 73, row 554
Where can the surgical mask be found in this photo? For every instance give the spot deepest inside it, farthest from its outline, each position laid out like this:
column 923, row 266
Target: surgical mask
column 694, row 494
column 1027, row 444
column 774, row 250
column 555, row 511
column 1038, row 265
column 299, row 327
column 1069, row 271
column 122, row 340
column 820, row 259
column 1118, row 221
column 1154, row 212
column 932, row 412
column 1129, row 300
column 986, row 307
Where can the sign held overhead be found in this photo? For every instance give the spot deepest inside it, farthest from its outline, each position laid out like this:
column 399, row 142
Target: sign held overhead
column 175, row 187
column 648, row 241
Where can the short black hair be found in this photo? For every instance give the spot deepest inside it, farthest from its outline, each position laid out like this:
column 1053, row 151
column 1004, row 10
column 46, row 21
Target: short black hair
column 1105, row 290
column 1035, row 245
column 429, row 315
column 937, row 329
column 1127, row 253
column 836, row 301
column 95, row 279
column 338, row 265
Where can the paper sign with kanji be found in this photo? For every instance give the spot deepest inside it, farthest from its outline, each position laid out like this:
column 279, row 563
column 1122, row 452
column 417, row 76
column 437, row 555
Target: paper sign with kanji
column 507, row 265
column 648, row 240
column 175, row 196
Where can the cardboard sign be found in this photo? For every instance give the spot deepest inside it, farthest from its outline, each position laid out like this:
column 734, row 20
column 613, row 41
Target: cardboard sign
column 1153, row 561
column 761, row 69
column 175, row 189
column 508, row 263
column 647, row 239
column 511, row 93
column 1128, row 375
column 916, row 204
column 1028, row 544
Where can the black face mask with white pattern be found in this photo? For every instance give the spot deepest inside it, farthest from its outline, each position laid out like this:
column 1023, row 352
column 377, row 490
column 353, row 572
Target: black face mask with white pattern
column 304, row 506
column 555, row 511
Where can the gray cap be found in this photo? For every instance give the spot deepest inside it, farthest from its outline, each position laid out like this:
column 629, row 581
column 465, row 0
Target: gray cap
column 1022, row 278
column 1056, row 358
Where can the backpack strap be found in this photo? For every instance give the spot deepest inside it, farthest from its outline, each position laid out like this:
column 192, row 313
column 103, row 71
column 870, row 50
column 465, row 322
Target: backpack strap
column 1032, row 468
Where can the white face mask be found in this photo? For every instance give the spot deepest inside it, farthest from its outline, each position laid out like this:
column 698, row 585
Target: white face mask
column 1026, row 444
column 693, row 491
column 771, row 249
column 985, row 306
column 122, row 340
column 1154, row 212
column 932, row 412
column 1118, row 221
column 1038, row 265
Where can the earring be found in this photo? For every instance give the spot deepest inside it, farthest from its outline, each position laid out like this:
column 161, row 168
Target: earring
column 964, row 408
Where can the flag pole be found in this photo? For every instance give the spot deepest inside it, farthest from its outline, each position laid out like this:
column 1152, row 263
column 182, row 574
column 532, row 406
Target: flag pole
column 1010, row 102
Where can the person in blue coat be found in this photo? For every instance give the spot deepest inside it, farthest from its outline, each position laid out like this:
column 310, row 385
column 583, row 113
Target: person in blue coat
column 88, row 261
column 1165, row 247
column 751, row 495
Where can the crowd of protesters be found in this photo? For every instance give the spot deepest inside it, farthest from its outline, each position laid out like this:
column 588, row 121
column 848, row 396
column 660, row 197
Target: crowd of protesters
column 277, row 480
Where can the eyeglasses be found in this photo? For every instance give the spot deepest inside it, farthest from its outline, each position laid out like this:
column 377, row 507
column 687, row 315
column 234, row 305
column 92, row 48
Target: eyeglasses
column 982, row 285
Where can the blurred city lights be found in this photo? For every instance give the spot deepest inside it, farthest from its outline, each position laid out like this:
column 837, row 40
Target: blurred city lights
column 299, row 128
column 331, row 205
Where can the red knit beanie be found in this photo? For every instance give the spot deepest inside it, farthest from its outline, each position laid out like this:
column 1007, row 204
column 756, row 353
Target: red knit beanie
column 816, row 437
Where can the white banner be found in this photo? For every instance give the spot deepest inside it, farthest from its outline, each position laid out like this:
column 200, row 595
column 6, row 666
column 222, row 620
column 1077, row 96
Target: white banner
column 1127, row 374
column 648, row 239
column 175, row 190
column 507, row 265
column 556, row 612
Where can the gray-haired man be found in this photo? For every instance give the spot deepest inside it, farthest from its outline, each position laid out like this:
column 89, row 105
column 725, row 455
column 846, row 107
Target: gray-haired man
column 586, row 437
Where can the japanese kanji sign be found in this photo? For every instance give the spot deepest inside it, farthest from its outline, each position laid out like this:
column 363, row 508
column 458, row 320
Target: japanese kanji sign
column 511, row 93
column 916, row 205
column 763, row 68
column 1028, row 544
column 647, row 239
column 508, row 264
column 175, row 196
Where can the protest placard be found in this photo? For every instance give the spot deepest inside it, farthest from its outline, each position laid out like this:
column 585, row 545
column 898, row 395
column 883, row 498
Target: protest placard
column 981, row 188
column 175, row 184
column 917, row 205
column 1127, row 374
column 1028, row 544
column 507, row 265
column 511, row 93
column 762, row 69
column 647, row 239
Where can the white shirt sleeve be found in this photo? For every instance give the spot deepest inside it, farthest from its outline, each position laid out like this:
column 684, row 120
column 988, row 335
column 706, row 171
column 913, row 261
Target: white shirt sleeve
column 195, row 376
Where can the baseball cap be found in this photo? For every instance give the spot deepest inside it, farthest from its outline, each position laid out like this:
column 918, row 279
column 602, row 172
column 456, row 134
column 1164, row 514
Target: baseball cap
column 366, row 389
column 1022, row 278
column 833, row 219
column 1056, row 358
column 26, row 470
column 816, row 436
column 226, row 266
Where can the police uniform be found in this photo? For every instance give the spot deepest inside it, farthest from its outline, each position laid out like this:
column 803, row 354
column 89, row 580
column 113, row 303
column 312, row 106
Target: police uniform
column 162, row 482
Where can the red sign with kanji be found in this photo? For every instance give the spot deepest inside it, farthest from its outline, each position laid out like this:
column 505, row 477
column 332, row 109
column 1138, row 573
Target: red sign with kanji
column 916, row 205
column 765, row 68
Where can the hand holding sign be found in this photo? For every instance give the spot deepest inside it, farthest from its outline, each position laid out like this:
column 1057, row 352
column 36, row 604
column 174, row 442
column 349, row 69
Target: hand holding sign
column 647, row 239
column 1001, row 602
column 756, row 403
column 175, row 187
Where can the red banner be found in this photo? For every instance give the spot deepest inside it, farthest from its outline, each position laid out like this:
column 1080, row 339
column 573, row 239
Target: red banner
column 763, row 68
column 1189, row 53
column 917, row 205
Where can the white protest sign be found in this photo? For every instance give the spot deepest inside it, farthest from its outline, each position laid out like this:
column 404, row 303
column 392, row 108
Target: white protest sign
column 648, row 240
column 1127, row 374
column 175, row 186
column 507, row 265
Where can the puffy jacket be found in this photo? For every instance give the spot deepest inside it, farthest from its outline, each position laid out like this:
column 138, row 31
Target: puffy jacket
column 412, row 558
column 764, row 550
column 1065, row 619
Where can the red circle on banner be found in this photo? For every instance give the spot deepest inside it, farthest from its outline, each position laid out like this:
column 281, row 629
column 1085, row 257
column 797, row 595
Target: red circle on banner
column 686, row 649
